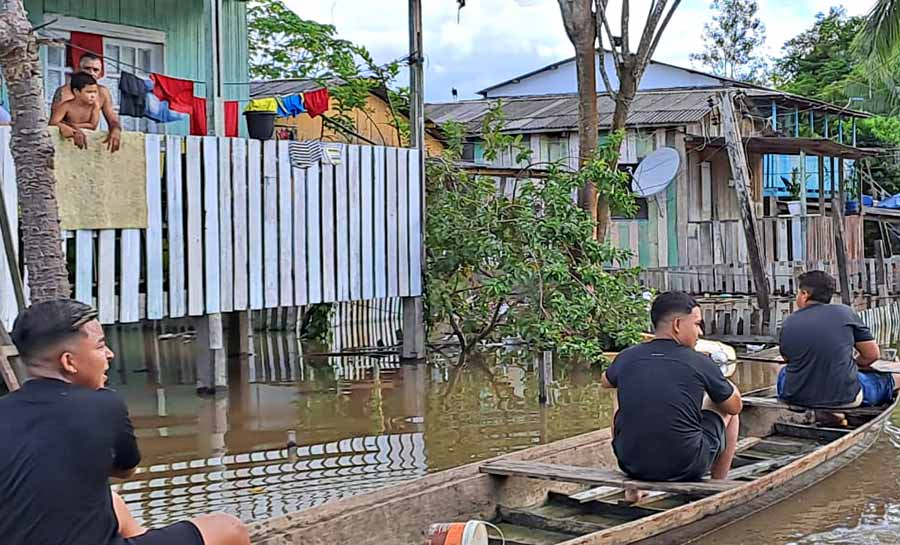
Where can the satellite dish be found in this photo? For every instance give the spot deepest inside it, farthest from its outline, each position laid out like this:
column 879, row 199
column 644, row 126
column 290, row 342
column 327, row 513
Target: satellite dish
column 654, row 174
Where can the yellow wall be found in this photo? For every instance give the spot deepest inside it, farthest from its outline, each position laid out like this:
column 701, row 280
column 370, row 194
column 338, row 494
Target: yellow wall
column 375, row 123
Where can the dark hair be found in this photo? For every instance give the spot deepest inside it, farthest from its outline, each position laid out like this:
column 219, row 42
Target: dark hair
column 81, row 80
column 818, row 284
column 45, row 325
column 89, row 57
column 669, row 304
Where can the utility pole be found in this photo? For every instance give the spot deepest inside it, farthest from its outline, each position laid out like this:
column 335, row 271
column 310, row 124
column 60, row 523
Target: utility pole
column 413, row 310
column 741, row 176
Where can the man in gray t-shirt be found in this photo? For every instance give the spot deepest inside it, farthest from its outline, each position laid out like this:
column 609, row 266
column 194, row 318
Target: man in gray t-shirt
column 818, row 341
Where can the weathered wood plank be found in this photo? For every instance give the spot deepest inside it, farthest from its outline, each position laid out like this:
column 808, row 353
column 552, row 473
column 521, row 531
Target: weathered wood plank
column 194, row 227
column 314, row 183
column 342, row 223
column 255, row 220
column 175, row 225
column 355, row 220
column 84, row 266
column 270, row 224
column 286, row 202
column 211, row 245
column 380, row 222
column 403, row 221
column 416, row 228
column 129, row 283
column 367, row 225
column 393, row 262
column 226, row 233
column 329, row 279
column 154, row 250
column 301, row 297
column 822, row 434
column 241, row 224
column 106, row 281
column 600, row 477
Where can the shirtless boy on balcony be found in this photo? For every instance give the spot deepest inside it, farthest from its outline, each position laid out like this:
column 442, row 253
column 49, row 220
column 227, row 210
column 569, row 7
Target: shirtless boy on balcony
column 81, row 113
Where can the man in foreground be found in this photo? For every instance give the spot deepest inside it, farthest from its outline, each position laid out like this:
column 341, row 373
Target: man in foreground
column 678, row 415
column 817, row 342
column 63, row 435
column 92, row 65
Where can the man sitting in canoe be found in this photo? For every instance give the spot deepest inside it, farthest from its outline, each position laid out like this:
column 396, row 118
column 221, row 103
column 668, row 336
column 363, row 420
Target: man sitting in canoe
column 817, row 342
column 63, row 435
column 678, row 415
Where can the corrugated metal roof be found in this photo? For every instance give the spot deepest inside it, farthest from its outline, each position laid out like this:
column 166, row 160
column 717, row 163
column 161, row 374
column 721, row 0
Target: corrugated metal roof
column 550, row 113
column 560, row 112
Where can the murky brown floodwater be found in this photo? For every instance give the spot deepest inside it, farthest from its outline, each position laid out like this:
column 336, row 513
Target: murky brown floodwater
column 363, row 423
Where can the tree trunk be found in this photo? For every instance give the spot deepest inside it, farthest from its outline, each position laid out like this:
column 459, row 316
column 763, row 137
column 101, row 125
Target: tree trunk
column 628, row 84
column 588, row 122
column 33, row 152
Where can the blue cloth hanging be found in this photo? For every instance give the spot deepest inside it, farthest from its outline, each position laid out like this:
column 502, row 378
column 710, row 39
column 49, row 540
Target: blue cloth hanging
column 290, row 106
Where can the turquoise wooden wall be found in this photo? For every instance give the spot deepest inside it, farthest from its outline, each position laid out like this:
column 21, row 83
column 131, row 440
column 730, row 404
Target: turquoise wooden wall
column 183, row 21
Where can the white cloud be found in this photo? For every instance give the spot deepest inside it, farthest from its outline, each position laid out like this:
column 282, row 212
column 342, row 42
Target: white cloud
column 495, row 40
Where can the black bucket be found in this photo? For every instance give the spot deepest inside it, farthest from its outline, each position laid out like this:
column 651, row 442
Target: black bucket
column 260, row 125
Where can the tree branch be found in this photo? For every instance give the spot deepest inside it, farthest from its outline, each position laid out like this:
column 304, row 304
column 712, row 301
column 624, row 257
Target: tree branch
column 605, row 76
column 660, row 31
column 604, row 22
column 625, row 17
column 495, row 320
column 649, row 33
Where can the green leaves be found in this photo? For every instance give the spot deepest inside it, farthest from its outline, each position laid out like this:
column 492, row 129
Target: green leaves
column 525, row 264
column 283, row 45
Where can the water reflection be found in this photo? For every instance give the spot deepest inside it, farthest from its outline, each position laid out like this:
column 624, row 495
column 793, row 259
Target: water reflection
column 361, row 422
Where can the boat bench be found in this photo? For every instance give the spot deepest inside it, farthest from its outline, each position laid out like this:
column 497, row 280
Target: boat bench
column 601, row 477
column 775, row 403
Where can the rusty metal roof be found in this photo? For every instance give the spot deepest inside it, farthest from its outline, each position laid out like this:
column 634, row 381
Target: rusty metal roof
column 559, row 113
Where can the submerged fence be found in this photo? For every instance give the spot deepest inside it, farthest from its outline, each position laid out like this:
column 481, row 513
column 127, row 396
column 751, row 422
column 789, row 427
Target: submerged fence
column 233, row 225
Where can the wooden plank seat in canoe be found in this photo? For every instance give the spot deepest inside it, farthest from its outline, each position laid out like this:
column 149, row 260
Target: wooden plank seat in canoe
column 775, row 403
column 601, row 477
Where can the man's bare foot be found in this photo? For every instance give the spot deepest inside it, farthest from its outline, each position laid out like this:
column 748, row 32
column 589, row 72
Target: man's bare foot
column 633, row 495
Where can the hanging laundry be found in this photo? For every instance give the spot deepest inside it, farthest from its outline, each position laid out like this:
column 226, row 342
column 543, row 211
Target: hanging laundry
column 178, row 92
column 290, row 106
column 132, row 95
column 198, row 117
column 262, row 105
column 231, row 118
column 316, row 102
column 158, row 110
column 81, row 43
column 304, row 154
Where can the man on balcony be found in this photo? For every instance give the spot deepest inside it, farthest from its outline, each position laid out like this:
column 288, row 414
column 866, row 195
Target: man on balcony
column 817, row 342
column 93, row 65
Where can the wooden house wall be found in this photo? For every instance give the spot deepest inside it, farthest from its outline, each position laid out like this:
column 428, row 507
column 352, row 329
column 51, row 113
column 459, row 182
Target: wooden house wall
column 185, row 24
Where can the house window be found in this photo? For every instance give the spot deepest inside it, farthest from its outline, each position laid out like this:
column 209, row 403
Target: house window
column 135, row 57
column 555, row 148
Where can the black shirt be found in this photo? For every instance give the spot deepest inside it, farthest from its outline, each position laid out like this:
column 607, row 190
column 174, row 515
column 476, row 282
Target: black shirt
column 58, row 445
column 817, row 342
column 658, row 434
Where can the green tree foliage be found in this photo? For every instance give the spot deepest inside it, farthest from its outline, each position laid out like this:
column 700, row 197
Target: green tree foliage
column 284, row 45
column 731, row 41
column 527, row 265
column 817, row 62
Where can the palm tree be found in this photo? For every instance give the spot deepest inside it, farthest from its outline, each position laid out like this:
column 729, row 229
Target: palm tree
column 32, row 151
column 879, row 39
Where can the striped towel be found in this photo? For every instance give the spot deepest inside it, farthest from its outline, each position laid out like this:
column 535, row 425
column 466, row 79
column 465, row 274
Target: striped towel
column 304, row 154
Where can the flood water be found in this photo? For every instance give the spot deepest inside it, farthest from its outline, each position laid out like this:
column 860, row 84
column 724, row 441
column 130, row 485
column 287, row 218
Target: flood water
column 362, row 423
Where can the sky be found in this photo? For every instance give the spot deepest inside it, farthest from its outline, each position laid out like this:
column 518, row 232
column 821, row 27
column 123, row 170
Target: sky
column 495, row 40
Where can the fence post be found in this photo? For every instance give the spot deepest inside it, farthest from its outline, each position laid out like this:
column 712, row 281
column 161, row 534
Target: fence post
column 880, row 276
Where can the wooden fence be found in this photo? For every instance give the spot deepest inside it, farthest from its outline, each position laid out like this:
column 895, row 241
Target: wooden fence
column 234, row 226
column 867, row 277
column 782, row 239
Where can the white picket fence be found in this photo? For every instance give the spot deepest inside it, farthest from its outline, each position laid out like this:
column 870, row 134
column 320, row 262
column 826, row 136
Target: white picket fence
column 233, row 226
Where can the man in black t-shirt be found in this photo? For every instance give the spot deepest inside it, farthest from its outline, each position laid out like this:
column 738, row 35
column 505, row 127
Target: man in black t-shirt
column 817, row 342
column 677, row 416
column 63, row 435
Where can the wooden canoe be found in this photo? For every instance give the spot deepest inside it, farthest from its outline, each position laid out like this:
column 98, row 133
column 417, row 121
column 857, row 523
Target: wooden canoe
column 569, row 491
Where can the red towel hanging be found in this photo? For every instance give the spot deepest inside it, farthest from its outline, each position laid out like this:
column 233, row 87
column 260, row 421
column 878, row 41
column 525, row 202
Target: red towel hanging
column 316, row 102
column 81, row 43
column 198, row 116
column 179, row 92
column 231, row 118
